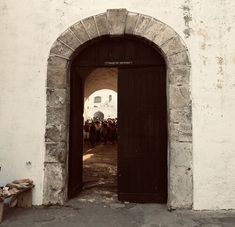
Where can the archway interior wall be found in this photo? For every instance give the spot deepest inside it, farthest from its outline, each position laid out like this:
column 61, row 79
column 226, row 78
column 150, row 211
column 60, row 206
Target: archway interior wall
column 100, row 78
column 116, row 22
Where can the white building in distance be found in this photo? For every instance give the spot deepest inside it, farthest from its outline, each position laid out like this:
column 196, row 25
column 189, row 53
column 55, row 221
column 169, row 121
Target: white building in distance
column 104, row 101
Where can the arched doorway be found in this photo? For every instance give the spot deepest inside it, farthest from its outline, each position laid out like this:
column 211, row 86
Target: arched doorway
column 142, row 116
column 118, row 22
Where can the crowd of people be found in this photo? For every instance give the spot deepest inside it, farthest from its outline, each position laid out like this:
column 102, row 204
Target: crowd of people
column 96, row 132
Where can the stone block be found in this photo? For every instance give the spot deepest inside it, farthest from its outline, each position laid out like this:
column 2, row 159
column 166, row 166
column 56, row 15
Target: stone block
column 54, row 184
column 56, row 133
column 101, row 23
column 56, row 115
column 179, row 75
column 153, row 29
column 181, row 187
column 80, row 32
column 142, row 24
column 181, row 116
column 70, row 39
column 116, row 19
column 60, row 49
column 57, row 69
column 165, row 34
column 180, row 97
column 173, row 46
column 90, row 26
column 56, row 97
column 131, row 21
column 180, row 132
column 56, row 152
column 56, row 127
column 181, row 154
column 178, row 59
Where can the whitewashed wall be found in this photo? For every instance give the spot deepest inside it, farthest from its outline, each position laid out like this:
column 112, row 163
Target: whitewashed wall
column 29, row 27
column 108, row 108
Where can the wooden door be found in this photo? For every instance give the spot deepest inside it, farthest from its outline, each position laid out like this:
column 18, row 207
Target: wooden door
column 142, row 130
column 75, row 135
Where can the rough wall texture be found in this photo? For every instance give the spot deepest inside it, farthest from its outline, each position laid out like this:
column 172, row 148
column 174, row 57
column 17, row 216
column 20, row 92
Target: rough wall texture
column 28, row 30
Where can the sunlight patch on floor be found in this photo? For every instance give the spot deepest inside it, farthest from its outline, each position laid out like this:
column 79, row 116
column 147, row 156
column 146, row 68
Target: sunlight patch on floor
column 87, row 156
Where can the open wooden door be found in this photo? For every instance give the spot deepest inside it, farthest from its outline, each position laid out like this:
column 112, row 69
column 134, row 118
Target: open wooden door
column 142, row 129
column 75, row 135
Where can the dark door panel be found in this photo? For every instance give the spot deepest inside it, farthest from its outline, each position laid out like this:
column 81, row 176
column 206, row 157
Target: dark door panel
column 75, row 135
column 142, row 127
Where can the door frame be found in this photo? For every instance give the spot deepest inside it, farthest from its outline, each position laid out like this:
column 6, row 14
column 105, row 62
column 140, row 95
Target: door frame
column 117, row 22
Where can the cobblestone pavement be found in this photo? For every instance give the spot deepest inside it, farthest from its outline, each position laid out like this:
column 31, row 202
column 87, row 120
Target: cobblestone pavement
column 97, row 205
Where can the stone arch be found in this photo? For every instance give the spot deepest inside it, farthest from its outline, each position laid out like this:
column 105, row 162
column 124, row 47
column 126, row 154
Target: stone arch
column 117, row 22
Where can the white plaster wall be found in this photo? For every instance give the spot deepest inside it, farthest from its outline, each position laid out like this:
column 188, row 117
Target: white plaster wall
column 29, row 27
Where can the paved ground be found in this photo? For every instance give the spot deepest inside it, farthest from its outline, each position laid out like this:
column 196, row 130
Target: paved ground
column 97, row 205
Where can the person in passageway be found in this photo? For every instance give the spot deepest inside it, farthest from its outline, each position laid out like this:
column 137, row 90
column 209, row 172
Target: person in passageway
column 104, row 132
column 92, row 135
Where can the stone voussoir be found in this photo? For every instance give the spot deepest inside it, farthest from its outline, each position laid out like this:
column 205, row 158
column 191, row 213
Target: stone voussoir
column 116, row 20
column 131, row 21
column 178, row 59
column 142, row 24
column 90, row 27
column 173, row 46
column 80, row 32
column 69, row 38
column 61, row 49
column 101, row 23
column 165, row 34
column 153, row 29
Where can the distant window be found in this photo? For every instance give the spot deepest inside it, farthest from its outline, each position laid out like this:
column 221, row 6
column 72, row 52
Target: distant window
column 97, row 99
column 110, row 98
